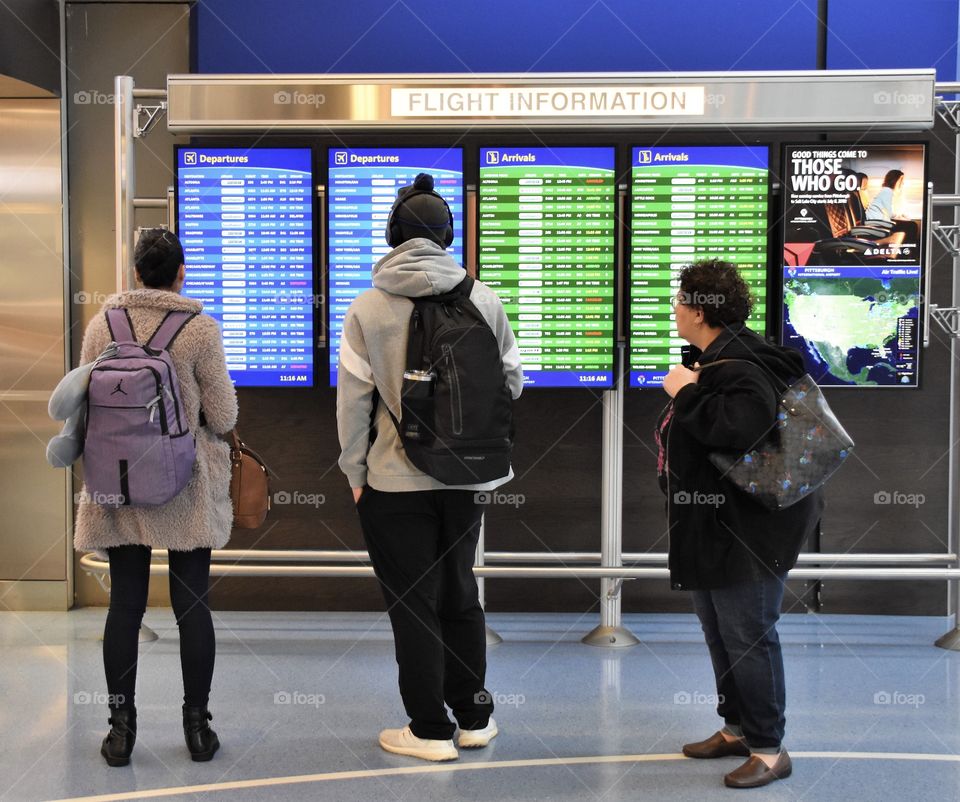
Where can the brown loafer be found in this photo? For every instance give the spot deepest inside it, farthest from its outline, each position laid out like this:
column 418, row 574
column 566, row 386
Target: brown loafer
column 755, row 772
column 716, row 746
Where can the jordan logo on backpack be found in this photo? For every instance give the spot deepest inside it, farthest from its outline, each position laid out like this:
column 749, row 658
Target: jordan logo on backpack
column 118, row 388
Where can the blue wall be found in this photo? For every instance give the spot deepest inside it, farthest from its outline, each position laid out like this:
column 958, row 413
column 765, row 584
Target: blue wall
column 504, row 35
column 886, row 35
column 570, row 35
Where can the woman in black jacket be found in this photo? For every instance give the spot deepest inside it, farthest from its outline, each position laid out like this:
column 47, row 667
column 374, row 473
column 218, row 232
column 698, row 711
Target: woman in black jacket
column 731, row 552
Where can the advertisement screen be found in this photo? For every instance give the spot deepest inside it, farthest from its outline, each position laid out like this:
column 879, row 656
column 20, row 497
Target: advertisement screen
column 547, row 249
column 688, row 204
column 362, row 187
column 853, row 236
column 245, row 219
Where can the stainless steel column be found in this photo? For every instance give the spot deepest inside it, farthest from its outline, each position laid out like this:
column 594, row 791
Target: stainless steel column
column 35, row 545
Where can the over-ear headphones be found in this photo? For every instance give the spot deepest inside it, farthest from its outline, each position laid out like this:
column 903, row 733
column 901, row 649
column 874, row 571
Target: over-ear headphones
column 422, row 185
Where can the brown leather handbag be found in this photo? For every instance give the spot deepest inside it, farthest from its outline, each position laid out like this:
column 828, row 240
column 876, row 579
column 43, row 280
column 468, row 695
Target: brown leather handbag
column 249, row 485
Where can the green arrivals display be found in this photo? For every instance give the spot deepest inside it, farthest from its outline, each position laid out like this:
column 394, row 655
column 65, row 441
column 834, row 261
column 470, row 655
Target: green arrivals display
column 688, row 204
column 546, row 247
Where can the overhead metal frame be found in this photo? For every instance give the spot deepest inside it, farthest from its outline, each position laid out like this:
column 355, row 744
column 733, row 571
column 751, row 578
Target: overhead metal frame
column 611, row 570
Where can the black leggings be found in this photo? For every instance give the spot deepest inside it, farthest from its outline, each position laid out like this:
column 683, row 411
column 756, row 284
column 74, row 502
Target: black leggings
column 129, row 582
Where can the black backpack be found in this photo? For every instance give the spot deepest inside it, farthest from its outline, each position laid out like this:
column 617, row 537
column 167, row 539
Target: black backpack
column 456, row 420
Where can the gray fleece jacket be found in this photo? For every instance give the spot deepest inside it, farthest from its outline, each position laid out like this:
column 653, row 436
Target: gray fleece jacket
column 373, row 354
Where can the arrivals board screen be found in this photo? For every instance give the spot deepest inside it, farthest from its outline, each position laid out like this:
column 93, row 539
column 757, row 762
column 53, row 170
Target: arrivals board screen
column 547, row 249
column 854, row 231
column 687, row 204
column 245, row 219
column 362, row 186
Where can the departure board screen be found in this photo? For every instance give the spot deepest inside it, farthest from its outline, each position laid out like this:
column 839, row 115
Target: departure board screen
column 361, row 190
column 687, row 204
column 547, row 249
column 245, row 219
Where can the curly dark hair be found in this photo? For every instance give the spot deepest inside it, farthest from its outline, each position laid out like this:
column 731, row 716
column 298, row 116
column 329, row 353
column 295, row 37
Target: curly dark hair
column 158, row 257
column 718, row 289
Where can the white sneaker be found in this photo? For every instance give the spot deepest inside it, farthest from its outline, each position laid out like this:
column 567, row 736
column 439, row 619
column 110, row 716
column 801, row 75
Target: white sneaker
column 474, row 739
column 404, row 742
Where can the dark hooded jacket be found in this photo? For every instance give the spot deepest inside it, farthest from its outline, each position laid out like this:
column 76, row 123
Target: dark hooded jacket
column 716, row 531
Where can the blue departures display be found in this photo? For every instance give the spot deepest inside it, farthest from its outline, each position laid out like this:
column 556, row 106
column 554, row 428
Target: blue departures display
column 245, row 219
column 363, row 184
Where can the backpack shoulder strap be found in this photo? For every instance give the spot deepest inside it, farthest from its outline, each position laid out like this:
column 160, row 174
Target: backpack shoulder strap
column 168, row 330
column 460, row 291
column 465, row 287
column 120, row 325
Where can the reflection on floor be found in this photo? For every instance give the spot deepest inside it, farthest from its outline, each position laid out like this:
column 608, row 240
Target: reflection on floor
column 306, row 693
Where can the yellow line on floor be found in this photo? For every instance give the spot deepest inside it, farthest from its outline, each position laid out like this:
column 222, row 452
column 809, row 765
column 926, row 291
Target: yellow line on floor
column 445, row 768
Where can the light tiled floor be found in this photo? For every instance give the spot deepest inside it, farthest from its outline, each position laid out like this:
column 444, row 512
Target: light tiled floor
column 306, row 693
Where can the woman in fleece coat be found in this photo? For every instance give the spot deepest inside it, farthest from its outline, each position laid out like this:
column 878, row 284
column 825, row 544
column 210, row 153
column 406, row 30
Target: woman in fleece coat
column 192, row 523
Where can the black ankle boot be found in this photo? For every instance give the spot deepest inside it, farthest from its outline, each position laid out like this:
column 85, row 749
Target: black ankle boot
column 119, row 742
column 201, row 740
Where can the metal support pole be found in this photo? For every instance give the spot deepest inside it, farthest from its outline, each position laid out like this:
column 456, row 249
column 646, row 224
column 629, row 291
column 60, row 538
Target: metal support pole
column 172, row 210
column 124, row 178
column 492, row 637
column 951, row 640
column 92, row 565
column 610, row 633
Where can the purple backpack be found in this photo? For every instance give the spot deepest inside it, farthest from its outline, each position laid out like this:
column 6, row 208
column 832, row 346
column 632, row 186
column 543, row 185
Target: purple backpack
column 138, row 451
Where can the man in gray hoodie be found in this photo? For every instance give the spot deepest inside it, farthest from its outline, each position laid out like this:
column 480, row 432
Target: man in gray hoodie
column 421, row 534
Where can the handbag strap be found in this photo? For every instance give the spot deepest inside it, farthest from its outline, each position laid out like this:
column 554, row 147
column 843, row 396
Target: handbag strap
column 236, row 445
column 766, row 372
column 238, row 448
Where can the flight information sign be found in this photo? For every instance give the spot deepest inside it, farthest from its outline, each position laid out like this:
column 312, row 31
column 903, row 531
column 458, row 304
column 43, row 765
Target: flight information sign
column 362, row 187
column 245, row 219
column 688, row 204
column 546, row 247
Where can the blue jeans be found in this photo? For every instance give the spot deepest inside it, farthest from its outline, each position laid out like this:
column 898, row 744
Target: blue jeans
column 740, row 626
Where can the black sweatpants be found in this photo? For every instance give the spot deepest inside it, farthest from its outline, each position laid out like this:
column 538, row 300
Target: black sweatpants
column 422, row 545
column 129, row 582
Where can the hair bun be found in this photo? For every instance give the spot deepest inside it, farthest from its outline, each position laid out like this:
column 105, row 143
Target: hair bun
column 423, row 182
